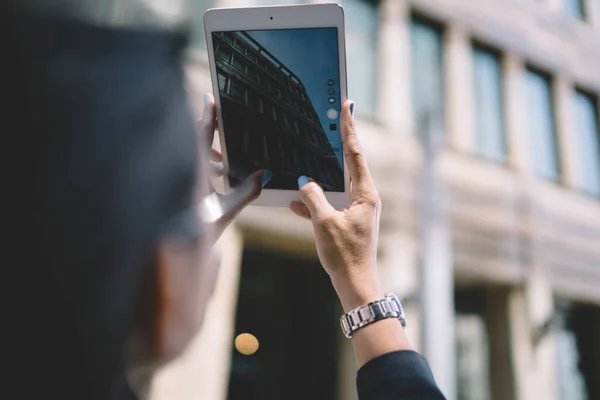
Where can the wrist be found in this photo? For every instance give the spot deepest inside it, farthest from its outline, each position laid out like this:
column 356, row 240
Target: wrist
column 355, row 290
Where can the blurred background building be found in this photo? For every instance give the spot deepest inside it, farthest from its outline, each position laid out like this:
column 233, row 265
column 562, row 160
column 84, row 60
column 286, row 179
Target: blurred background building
column 516, row 84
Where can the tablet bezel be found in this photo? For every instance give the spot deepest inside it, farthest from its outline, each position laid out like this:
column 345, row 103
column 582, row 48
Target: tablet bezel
column 279, row 17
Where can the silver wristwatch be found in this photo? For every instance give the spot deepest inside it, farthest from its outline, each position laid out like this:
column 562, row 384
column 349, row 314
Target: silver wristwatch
column 388, row 307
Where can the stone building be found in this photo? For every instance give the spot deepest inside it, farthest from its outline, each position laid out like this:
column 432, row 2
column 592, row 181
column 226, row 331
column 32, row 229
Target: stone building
column 516, row 84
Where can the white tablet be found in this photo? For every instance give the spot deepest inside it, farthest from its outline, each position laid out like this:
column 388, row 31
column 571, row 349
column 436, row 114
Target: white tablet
column 279, row 78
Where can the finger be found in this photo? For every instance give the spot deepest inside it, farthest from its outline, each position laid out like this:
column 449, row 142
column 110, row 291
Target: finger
column 300, row 209
column 208, row 120
column 230, row 205
column 216, row 155
column 312, row 195
column 217, row 170
column 353, row 153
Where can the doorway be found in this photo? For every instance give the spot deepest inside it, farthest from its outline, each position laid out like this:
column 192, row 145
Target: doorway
column 288, row 304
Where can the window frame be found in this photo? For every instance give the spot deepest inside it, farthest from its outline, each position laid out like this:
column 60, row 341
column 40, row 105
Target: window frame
column 550, row 80
column 440, row 28
column 480, row 46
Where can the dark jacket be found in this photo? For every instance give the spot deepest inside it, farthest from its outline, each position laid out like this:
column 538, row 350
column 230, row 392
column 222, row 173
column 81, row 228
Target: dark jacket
column 399, row 375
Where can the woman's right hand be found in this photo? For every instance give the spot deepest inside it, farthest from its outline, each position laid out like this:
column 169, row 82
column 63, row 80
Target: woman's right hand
column 346, row 240
column 347, row 245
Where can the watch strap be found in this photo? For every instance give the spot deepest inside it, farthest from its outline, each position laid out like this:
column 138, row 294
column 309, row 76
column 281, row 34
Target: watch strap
column 387, row 307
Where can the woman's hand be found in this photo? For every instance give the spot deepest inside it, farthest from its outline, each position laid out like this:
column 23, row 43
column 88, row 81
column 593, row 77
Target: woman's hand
column 346, row 240
column 347, row 245
column 219, row 209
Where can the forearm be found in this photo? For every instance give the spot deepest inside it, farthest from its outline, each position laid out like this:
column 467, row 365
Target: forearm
column 375, row 339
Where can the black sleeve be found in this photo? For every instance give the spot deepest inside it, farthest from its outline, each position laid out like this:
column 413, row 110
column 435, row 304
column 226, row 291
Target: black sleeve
column 398, row 375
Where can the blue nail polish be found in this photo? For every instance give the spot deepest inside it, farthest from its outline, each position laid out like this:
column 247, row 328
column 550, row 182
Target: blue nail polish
column 352, row 109
column 303, row 180
column 265, row 177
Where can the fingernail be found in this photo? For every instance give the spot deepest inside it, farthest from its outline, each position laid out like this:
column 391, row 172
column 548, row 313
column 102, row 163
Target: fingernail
column 303, row 180
column 352, row 109
column 265, row 177
column 205, row 98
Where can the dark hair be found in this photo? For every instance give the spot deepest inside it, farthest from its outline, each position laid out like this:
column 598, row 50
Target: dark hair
column 107, row 153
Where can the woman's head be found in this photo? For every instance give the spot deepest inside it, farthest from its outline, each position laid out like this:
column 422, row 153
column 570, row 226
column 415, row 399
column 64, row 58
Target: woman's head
column 110, row 279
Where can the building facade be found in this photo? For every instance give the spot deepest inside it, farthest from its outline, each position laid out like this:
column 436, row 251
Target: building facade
column 516, row 84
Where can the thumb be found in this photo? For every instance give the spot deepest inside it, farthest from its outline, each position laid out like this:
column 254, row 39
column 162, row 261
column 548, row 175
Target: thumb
column 312, row 195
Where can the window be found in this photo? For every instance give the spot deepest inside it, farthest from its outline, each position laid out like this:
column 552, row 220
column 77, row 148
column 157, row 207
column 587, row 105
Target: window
column 587, row 132
column 196, row 10
column 224, row 54
column 274, row 110
column 254, row 101
column 222, row 79
column 575, row 8
column 237, row 63
column 265, row 148
column 362, row 20
column 426, row 67
column 487, row 83
column 237, row 91
column 541, row 125
column 238, row 45
column 227, row 37
column 252, row 74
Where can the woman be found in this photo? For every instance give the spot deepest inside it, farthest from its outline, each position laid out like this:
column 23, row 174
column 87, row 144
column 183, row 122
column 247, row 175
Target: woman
column 112, row 264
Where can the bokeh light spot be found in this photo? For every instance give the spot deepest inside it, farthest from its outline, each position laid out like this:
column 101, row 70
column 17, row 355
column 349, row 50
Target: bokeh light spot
column 246, row 343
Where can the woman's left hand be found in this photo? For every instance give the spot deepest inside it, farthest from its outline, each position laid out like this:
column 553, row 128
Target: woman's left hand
column 221, row 209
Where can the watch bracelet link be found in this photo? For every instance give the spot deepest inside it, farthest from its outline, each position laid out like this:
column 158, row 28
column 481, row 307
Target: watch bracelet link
column 387, row 307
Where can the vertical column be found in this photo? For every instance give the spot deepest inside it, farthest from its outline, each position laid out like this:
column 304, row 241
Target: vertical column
column 347, row 371
column 203, row 371
column 592, row 11
column 541, row 377
column 565, row 131
column 504, row 369
column 519, row 368
column 514, row 104
column 394, row 92
column 399, row 274
column 458, row 88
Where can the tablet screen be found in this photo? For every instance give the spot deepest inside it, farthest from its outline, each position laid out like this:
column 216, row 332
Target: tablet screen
column 280, row 105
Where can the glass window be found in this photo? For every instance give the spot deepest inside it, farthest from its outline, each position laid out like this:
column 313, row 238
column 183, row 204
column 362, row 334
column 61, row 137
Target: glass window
column 222, row 82
column 238, row 45
column 575, row 8
column 426, row 67
column 252, row 74
column 224, row 54
column 237, row 63
column 274, row 111
column 253, row 100
column 237, row 91
column 487, row 84
column 196, row 10
column 362, row 20
column 227, row 37
column 541, row 125
column 587, row 131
